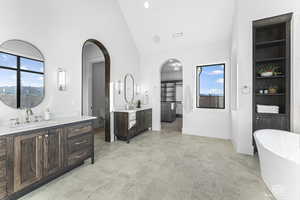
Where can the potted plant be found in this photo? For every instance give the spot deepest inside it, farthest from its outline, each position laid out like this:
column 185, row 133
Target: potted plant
column 267, row 70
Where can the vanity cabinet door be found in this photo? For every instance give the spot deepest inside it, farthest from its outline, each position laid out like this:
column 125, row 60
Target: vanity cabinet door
column 140, row 121
column 27, row 160
column 3, row 167
column 52, row 151
column 148, row 118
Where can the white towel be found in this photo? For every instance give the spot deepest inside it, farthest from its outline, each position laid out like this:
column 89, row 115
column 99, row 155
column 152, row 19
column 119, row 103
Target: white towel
column 267, row 109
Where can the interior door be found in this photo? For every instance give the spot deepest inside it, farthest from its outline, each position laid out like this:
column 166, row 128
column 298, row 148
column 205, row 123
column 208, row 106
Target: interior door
column 98, row 94
column 52, row 151
column 28, row 160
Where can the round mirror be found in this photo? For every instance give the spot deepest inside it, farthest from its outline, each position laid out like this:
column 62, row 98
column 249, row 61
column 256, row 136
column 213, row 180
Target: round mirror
column 129, row 88
column 21, row 74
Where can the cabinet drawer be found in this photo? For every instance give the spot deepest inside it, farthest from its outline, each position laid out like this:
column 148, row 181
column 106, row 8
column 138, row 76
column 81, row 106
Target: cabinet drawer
column 79, row 143
column 79, row 156
column 79, row 129
column 2, row 169
column 3, row 189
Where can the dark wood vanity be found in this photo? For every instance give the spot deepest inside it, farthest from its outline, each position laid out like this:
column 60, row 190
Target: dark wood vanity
column 33, row 158
column 141, row 121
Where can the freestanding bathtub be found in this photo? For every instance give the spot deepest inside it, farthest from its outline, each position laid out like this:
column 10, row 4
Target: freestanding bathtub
column 279, row 155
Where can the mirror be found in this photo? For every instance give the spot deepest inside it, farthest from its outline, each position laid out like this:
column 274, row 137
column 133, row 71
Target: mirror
column 22, row 69
column 129, row 88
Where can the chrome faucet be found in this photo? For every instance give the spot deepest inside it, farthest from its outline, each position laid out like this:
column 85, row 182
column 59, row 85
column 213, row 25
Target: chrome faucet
column 28, row 113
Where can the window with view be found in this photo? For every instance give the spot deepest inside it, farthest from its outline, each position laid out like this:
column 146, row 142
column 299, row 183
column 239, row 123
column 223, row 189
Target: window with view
column 211, row 86
column 21, row 81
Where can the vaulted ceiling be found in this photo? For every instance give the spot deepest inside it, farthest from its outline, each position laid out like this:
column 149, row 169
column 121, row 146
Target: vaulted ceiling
column 171, row 24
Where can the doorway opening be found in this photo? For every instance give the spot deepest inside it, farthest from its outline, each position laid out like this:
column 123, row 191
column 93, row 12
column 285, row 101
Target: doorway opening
column 171, row 96
column 95, row 86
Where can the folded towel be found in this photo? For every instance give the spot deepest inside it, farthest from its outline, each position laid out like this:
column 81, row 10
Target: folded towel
column 267, row 109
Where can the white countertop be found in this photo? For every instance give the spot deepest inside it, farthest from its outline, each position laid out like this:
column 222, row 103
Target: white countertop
column 6, row 130
column 131, row 110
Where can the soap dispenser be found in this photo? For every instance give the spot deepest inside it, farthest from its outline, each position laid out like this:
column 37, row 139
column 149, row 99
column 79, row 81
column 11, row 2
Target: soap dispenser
column 47, row 115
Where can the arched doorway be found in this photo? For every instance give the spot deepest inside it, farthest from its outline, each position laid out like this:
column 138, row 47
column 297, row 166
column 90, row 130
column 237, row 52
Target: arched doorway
column 171, row 96
column 96, row 84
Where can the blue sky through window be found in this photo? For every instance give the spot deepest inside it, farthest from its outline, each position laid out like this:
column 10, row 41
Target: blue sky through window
column 8, row 78
column 211, row 80
column 7, row 60
column 32, row 65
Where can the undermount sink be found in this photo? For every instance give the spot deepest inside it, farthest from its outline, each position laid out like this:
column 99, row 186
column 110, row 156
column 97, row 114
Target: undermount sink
column 31, row 125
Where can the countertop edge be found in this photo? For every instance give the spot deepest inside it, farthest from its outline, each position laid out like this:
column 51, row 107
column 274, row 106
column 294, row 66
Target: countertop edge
column 130, row 111
column 59, row 122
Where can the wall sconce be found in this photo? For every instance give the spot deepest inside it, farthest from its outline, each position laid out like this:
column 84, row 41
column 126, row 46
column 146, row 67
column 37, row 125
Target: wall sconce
column 119, row 87
column 61, row 79
column 138, row 89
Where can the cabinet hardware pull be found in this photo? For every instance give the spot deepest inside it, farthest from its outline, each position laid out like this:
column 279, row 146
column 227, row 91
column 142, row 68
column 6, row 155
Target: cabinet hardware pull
column 80, row 155
column 78, row 143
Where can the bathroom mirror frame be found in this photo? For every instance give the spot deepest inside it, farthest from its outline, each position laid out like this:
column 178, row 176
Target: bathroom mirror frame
column 18, row 69
column 128, row 100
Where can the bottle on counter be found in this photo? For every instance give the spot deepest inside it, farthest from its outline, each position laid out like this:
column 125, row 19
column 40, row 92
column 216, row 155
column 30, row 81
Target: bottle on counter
column 47, row 115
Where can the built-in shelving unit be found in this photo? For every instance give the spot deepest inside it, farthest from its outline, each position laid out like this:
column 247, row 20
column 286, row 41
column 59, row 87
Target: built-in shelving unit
column 271, row 48
column 169, row 102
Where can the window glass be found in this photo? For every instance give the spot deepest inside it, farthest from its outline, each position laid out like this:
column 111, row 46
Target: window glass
column 210, row 86
column 7, row 60
column 8, row 87
column 31, row 65
column 32, row 89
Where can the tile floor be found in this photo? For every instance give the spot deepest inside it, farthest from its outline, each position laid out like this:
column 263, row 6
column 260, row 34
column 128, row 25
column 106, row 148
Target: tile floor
column 160, row 166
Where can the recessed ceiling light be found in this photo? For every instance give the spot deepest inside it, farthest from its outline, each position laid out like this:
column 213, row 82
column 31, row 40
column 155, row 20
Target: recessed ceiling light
column 147, row 4
column 156, row 39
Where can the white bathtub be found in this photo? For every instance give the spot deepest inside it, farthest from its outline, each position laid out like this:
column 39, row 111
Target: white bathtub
column 279, row 155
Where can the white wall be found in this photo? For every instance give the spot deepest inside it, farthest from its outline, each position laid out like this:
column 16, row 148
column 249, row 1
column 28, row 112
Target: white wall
column 59, row 29
column 202, row 122
column 247, row 11
column 201, row 22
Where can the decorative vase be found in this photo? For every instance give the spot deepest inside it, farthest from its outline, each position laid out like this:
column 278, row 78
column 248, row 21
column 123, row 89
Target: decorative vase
column 272, row 90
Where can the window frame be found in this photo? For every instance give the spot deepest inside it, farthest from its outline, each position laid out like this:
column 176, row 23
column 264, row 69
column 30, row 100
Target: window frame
column 198, row 84
column 18, row 71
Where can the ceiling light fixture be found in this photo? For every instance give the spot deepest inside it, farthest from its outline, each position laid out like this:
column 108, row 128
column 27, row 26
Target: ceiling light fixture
column 176, row 68
column 147, row 4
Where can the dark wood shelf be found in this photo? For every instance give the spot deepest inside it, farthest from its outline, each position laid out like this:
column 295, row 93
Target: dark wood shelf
column 270, row 60
column 271, row 77
column 277, row 94
column 271, row 114
column 269, row 43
